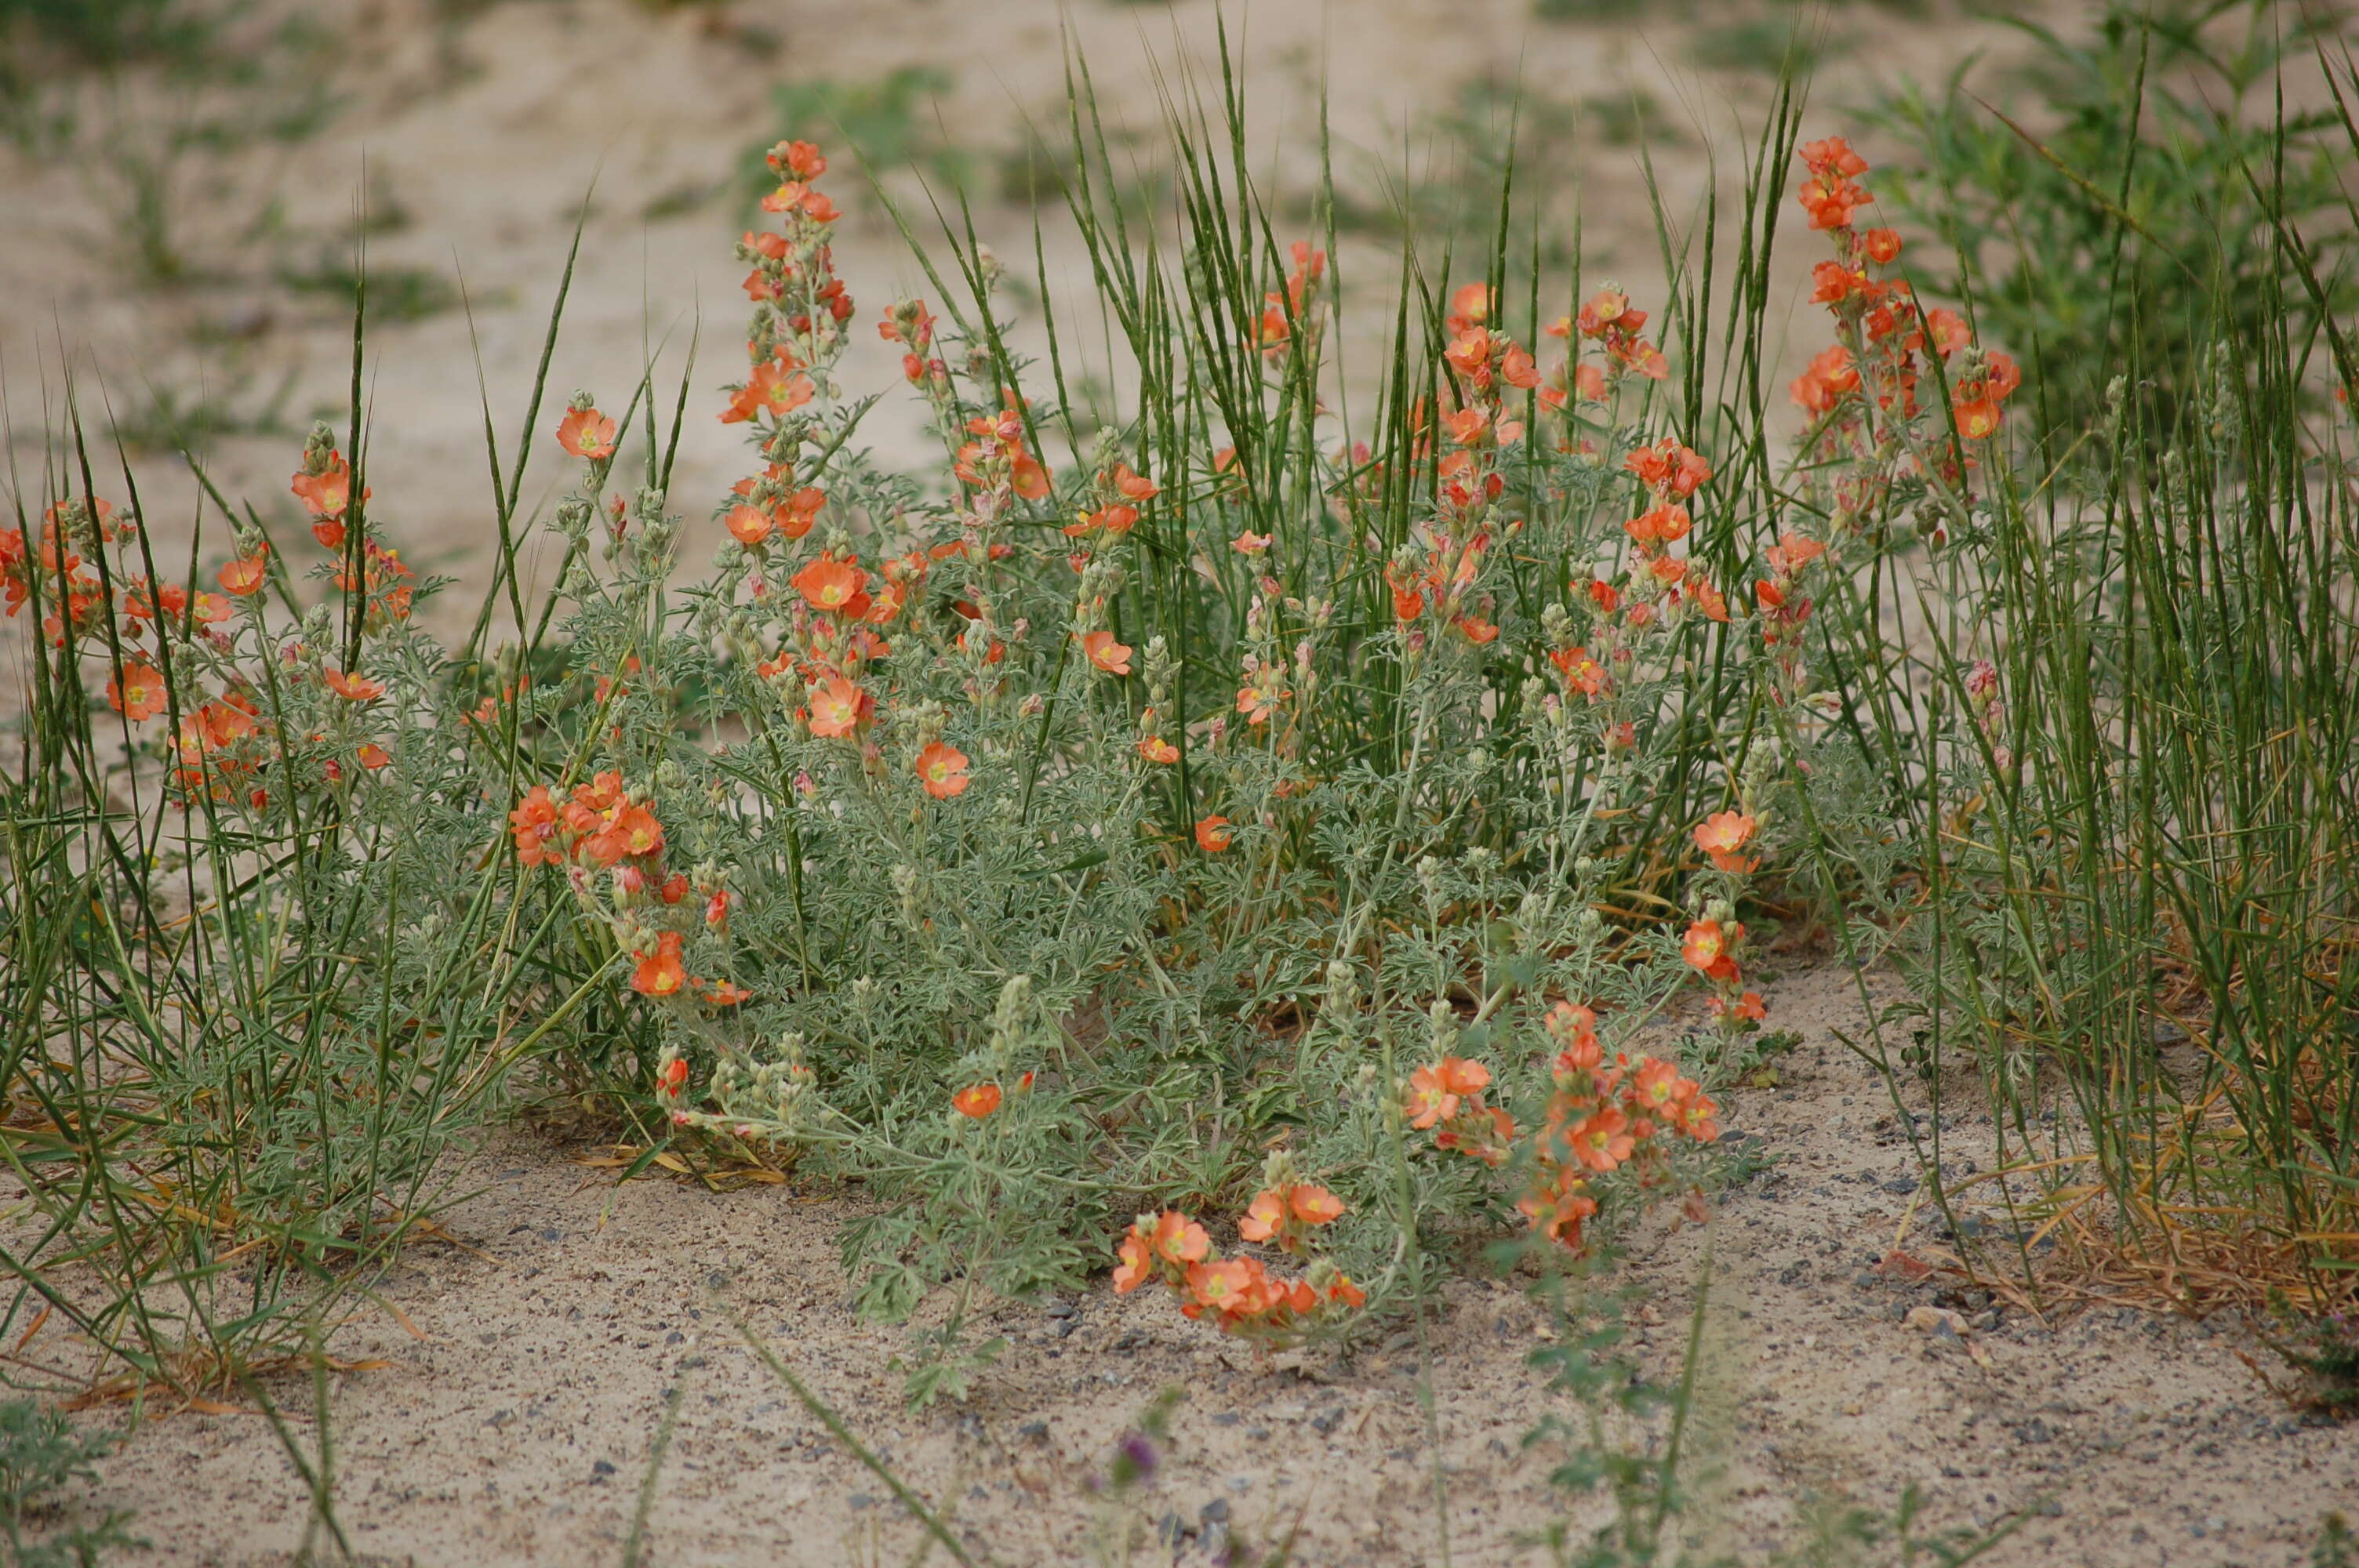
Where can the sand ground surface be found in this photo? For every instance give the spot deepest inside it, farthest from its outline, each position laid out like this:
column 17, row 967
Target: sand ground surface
column 528, row 1366
column 526, row 1374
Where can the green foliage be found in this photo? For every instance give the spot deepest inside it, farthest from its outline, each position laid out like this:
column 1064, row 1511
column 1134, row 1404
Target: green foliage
column 1212, row 781
column 2129, row 768
column 2323, row 1348
column 110, row 32
column 41, row 1455
column 396, row 295
column 165, row 417
column 1773, row 45
column 2135, row 219
column 891, row 122
column 1445, row 202
column 2336, row 1546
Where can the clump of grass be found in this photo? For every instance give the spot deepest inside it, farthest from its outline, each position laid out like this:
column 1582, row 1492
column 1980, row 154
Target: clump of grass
column 2131, row 776
column 2136, row 220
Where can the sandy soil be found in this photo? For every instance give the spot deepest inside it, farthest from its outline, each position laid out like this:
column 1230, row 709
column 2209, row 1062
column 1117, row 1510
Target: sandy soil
column 518, row 1429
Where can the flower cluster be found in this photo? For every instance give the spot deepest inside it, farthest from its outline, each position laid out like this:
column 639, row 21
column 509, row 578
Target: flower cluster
column 1644, row 602
column 1437, row 577
column 1239, row 1292
column 372, row 576
column 173, row 650
column 1608, row 319
column 800, row 305
column 1288, row 315
column 1709, row 947
column 603, row 827
column 1445, row 1098
column 1602, row 1118
column 1863, row 391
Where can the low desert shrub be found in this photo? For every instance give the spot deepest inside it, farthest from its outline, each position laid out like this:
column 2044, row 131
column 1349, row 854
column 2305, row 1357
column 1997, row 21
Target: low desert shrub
column 1347, row 833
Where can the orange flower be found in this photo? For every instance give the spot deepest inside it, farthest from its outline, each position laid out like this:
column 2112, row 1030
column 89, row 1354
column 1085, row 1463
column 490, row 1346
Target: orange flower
column 719, row 993
column 1138, row 1264
column 1977, row 420
column 1661, row 525
column 1607, row 310
column 534, row 824
column 1249, row 543
column 800, row 511
column 747, row 524
column 1948, row 331
column 172, row 599
column 1132, row 486
column 326, row 494
column 242, row 576
column 660, row 973
column 800, row 160
column 1225, row 1286
column 1750, row 1007
column 1264, row 1217
column 1431, row 1098
column 1705, row 946
column 637, row 832
column 772, row 389
column 977, row 1100
column 1107, row 655
column 1156, row 748
column 586, row 433
column 1343, row 1289
column 830, row 584
column 1792, row 552
column 1462, row 1077
column 1558, row 1213
column 1112, row 519
column 1581, row 673
column 1883, row 245
column 1470, row 306
column 1471, row 426
column 1659, row 1086
column 1174, row 1239
column 1314, row 1205
column 1695, row 1117
column 1604, row 1141
column 1669, row 466
column 354, row 689
column 1259, row 698
column 1831, row 377
column 139, row 695
column 1574, row 1028
column 1212, row 834
column 1830, row 195
column 1722, row 835
column 374, row 756
column 835, row 704
column 942, row 770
